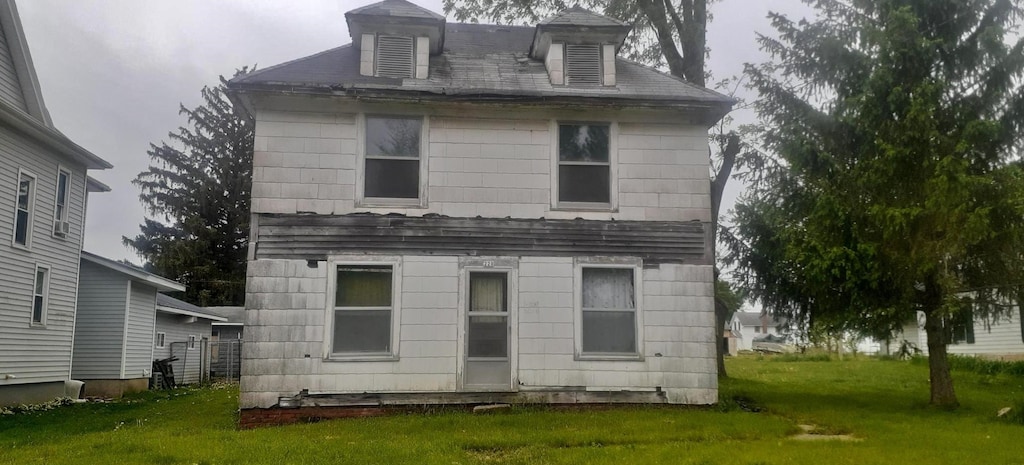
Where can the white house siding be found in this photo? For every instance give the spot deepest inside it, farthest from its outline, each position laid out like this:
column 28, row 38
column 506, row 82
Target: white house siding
column 99, row 326
column 488, row 165
column 177, row 329
column 37, row 354
column 285, row 331
column 10, row 86
column 138, row 359
column 1001, row 338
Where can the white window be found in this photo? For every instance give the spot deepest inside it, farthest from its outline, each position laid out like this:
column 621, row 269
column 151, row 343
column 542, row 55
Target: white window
column 584, row 165
column 583, row 64
column 608, row 311
column 60, row 210
column 40, row 295
column 191, row 342
column 362, row 312
column 394, row 56
column 24, row 202
column 393, row 163
column 161, row 339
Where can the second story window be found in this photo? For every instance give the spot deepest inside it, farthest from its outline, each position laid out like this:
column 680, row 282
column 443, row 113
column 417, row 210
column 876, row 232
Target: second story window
column 60, row 212
column 392, row 165
column 23, row 204
column 584, row 164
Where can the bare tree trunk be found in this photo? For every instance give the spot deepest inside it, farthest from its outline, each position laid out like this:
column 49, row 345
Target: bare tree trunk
column 942, row 393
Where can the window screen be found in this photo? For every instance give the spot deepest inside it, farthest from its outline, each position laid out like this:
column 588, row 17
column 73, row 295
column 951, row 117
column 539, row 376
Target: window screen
column 488, row 315
column 584, row 165
column 609, row 311
column 362, row 309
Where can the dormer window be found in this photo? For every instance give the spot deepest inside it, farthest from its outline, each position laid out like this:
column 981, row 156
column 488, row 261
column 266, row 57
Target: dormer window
column 394, row 56
column 583, row 64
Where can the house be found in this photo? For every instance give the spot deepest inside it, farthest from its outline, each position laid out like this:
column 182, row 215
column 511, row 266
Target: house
column 183, row 331
column 459, row 213
column 43, row 187
column 748, row 327
column 999, row 338
column 114, row 330
column 226, row 343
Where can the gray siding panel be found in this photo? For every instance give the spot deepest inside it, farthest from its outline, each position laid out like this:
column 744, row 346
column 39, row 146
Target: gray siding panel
column 99, row 328
column 177, row 329
column 10, row 86
column 37, row 354
column 141, row 321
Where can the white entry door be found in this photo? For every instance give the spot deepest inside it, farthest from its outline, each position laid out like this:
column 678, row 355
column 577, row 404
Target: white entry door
column 488, row 336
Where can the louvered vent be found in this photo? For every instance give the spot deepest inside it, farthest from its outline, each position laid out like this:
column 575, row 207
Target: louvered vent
column 394, row 56
column 583, row 64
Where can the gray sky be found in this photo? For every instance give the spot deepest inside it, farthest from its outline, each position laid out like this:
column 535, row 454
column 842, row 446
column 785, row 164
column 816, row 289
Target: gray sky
column 113, row 72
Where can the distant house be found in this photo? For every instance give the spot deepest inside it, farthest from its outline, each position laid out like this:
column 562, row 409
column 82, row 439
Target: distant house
column 183, row 331
column 43, row 187
column 1000, row 338
column 117, row 311
column 455, row 212
column 750, row 326
column 226, row 342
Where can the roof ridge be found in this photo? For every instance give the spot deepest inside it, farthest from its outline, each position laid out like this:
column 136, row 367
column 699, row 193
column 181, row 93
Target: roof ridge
column 579, row 9
column 405, row 3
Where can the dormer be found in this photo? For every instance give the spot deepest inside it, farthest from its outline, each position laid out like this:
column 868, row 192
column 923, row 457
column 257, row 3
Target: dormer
column 395, row 38
column 579, row 47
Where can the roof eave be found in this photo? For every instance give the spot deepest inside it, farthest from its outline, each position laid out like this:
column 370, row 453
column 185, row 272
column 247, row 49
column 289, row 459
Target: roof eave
column 50, row 137
column 178, row 311
column 160, row 283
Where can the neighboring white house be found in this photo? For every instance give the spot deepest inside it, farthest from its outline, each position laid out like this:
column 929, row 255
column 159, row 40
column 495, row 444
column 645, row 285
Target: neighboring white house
column 1000, row 338
column 748, row 326
column 114, row 329
column 43, row 187
column 467, row 212
column 183, row 331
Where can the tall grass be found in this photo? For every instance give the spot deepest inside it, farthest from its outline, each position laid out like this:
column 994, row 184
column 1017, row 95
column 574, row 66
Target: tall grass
column 979, row 365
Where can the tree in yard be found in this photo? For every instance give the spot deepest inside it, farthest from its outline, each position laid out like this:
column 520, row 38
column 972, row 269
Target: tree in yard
column 897, row 187
column 198, row 189
column 670, row 33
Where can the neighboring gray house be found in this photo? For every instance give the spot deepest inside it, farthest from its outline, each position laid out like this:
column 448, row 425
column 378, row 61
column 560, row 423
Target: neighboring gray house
column 183, row 331
column 117, row 311
column 43, row 189
column 469, row 213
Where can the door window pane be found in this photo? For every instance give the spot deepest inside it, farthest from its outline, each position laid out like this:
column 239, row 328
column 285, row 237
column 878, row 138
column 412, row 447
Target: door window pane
column 487, row 292
column 488, row 336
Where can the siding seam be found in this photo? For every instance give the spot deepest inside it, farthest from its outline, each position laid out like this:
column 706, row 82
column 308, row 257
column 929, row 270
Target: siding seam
column 124, row 337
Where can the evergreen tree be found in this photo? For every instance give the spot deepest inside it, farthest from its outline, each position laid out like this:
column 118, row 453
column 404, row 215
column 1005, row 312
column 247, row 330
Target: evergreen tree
column 198, row 189
column 669, row 33
column 897, row 185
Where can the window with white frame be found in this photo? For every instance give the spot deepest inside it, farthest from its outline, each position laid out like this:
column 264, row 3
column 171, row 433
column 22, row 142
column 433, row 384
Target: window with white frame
column 609, row 319
column 40, row 297
column 24, row 202
column 584, row 164
column 363, row 307
column 191, row 342
column 392, row 162
column 161, row 339
column 63, row 195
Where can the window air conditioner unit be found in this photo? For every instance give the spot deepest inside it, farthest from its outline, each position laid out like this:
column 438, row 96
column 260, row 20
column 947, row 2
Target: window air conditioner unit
column 62, row 228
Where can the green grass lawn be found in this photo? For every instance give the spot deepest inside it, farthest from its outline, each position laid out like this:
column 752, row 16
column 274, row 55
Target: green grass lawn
column 881, row 403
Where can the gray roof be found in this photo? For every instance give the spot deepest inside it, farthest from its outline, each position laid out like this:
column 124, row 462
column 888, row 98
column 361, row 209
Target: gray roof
column 479, row 62
column 234, row 315
column 396, row 9
column 579, row 16
column 173, row 305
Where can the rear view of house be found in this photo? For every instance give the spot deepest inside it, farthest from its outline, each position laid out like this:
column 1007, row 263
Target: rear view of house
column 43, row 188
column 183, row 333
column 463, row 212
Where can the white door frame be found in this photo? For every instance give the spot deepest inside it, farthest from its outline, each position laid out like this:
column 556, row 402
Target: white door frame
column 510, row 266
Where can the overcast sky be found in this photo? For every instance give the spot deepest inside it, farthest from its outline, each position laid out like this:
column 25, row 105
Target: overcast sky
column 113, row 72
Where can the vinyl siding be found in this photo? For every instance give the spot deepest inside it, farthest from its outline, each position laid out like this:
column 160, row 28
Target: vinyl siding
column 37, row 354
column 10, row 86
column 999, row 338
column 99, row 328
column 187, row 368
column 139, row 343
